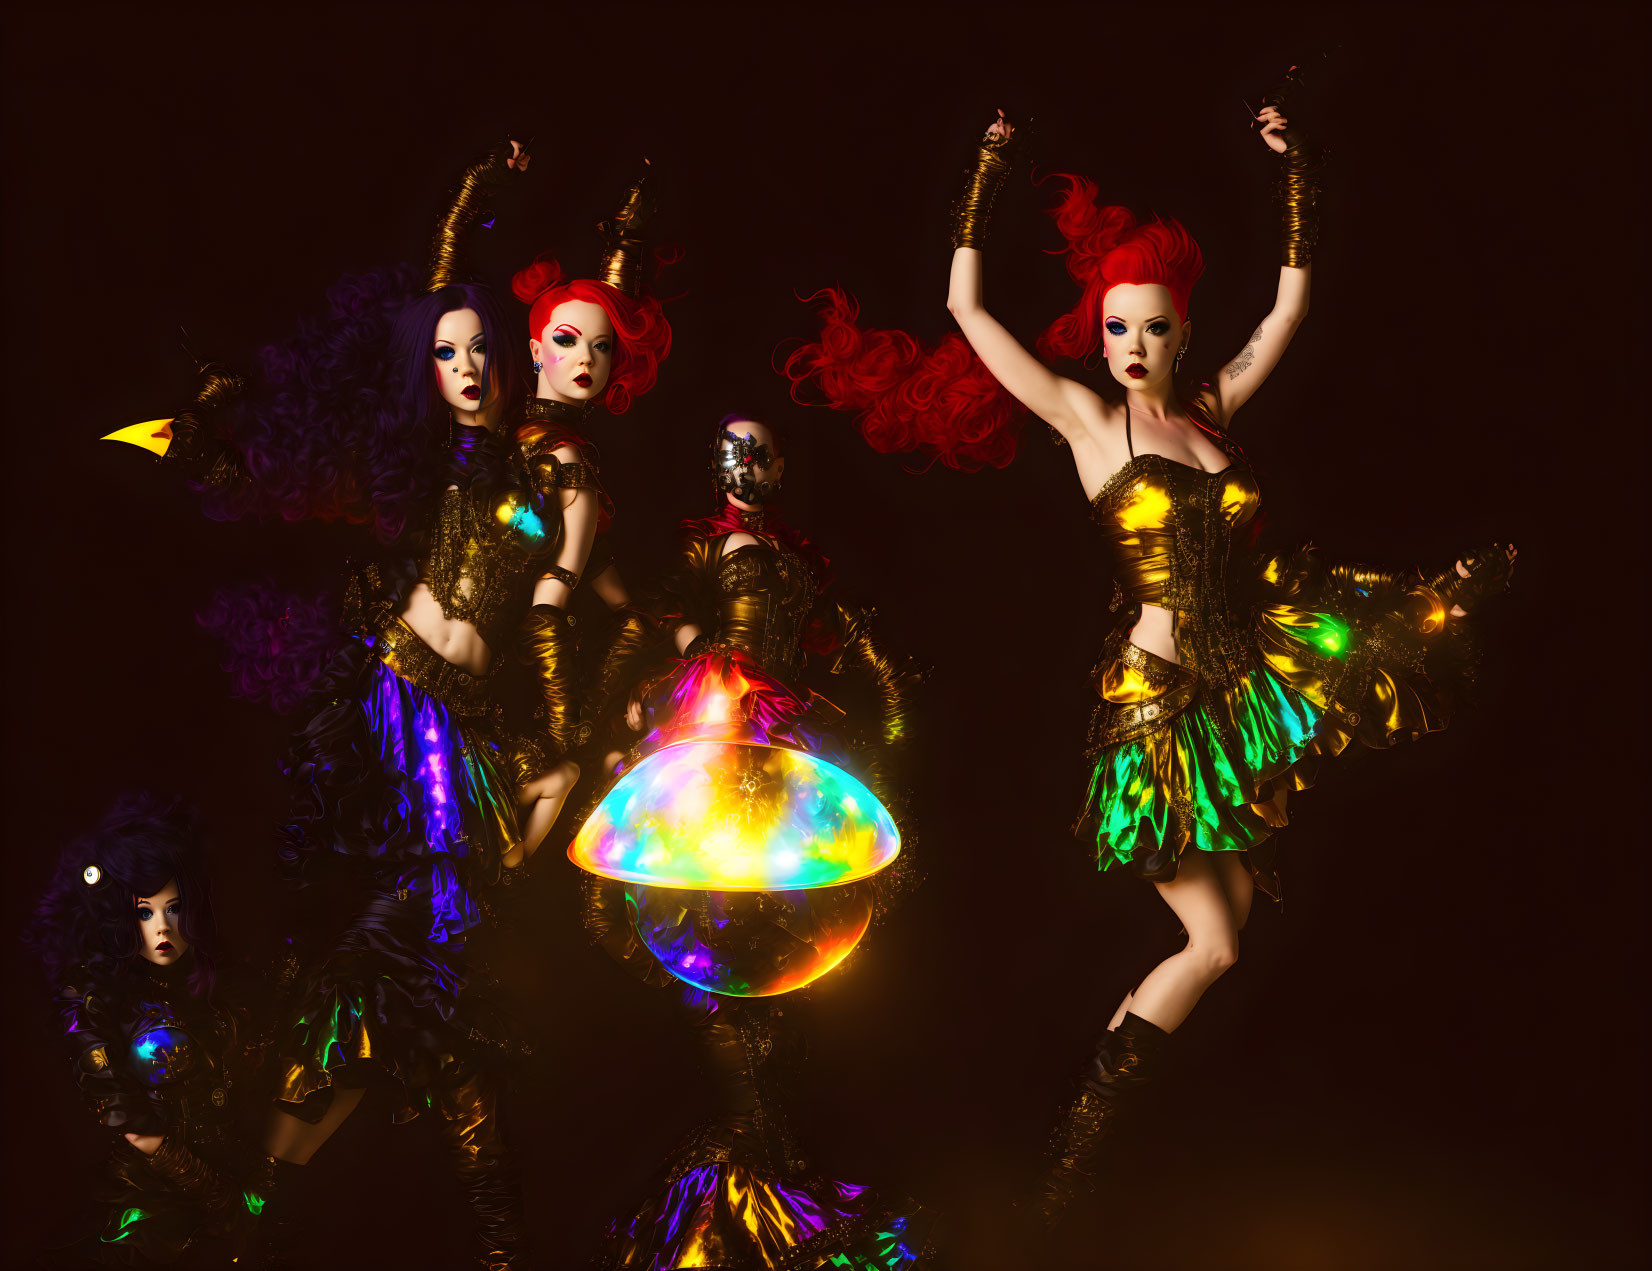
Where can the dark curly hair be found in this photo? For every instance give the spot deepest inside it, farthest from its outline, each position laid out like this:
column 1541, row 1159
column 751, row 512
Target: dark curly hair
column 143, row 843
column 347, row 422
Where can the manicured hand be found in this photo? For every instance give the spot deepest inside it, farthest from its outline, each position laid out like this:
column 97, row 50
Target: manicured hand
column 1273, row 128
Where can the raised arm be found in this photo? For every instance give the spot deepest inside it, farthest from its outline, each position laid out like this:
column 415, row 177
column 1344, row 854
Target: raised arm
column 1048, row 395
column 469, row 201
column 1297, row 193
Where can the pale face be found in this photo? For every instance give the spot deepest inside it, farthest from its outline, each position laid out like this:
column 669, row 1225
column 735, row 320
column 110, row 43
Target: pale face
column 1140, row 333
column 460, row 355
column 158, row 917
column 761, row 435
column 575, row 352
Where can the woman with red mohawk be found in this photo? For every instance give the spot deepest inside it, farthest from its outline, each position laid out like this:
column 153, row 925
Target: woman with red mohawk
column 1226, row 676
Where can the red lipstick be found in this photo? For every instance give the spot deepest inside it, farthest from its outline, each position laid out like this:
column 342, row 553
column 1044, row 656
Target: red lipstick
column 1135, row 370
column 583, row 380
column 471, row 393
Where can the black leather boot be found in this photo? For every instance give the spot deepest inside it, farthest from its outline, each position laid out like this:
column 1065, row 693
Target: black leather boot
column 273, row 1240
column 469, row 1113
column 1125, row 1061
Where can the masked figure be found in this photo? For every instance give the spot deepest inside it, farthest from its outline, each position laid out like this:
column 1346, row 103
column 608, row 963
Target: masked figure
column 740, row 853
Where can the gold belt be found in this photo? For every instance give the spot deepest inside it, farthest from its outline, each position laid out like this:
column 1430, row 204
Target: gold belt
column 398, row 646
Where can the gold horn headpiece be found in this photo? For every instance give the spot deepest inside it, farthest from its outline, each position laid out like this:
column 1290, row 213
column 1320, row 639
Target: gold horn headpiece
column 624, row 250
column 470, row 199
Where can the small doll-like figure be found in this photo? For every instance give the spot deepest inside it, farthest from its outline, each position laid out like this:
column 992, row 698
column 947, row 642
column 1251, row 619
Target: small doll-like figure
column 436, row 754
column 158, row 1047
column 746, row 607
column 1227, row 675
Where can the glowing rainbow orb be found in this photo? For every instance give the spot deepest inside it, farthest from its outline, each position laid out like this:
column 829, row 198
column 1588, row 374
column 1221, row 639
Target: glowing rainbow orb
column 750, row 944
column 728, row 816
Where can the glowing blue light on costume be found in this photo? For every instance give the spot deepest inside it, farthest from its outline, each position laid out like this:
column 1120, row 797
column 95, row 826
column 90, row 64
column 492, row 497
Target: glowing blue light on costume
column 521, row 518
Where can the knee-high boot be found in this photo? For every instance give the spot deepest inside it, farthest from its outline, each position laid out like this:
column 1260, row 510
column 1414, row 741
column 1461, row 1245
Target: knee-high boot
column 469, row 1118
column 274, row 1239
column 1125, row 1060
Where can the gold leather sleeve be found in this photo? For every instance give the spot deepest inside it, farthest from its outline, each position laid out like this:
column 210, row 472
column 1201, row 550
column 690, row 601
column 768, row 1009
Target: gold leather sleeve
column 469, row 200
column 689, row 592
column 634, row 645
column 1296, row 190
column 205, row 1184
column 893, row 684
column 972, row 209
column 547, row 647
column 1297, row 194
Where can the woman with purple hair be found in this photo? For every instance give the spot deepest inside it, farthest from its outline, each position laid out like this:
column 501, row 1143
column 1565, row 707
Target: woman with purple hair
column 124, row 934
column 436, row 757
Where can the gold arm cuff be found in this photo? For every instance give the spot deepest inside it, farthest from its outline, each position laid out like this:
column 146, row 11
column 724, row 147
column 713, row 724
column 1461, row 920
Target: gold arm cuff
column 972, row 210
column 1297, row 193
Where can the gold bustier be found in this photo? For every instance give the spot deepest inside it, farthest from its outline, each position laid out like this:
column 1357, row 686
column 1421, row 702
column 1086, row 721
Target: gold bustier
column 1171, row 530
column 491, row 542
column 765, row 594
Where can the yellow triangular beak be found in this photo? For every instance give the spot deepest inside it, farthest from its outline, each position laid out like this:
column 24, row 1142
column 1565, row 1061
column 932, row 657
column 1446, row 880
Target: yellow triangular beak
column 154, row 435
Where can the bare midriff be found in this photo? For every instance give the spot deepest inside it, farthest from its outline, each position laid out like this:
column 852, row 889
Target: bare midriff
column 1155, row 631
column 458, row 642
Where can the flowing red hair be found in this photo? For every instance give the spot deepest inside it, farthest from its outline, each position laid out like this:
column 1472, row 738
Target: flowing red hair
column 642, row 336
column 942, row 401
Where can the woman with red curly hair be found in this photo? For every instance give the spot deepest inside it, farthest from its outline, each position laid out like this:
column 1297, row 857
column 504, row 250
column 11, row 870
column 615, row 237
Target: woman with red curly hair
column 1226, row 677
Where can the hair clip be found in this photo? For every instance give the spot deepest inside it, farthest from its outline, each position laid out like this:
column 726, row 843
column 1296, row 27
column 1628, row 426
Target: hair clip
column 92, row 874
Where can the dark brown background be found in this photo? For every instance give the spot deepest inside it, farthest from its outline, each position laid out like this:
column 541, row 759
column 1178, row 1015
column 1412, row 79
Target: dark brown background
column 1428, row 1059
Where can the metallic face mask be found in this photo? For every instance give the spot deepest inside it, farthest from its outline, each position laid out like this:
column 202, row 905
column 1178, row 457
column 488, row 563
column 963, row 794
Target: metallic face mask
column 735, row 461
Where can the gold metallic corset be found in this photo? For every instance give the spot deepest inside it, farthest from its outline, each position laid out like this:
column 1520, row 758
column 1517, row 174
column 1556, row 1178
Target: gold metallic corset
column 485, row 552
column 1171, row 530
column 764, row 596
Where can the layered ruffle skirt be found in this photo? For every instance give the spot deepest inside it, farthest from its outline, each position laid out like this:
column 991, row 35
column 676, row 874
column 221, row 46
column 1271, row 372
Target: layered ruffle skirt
column 1179, row 763
column 410, row 788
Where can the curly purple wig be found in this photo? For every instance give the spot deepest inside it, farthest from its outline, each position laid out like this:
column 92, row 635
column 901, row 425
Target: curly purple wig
column 142, row 844
column 276, row 644
column 348, row 423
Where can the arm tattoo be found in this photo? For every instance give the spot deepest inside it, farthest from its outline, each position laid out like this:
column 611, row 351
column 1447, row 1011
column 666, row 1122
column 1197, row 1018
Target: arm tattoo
column 1247, row 355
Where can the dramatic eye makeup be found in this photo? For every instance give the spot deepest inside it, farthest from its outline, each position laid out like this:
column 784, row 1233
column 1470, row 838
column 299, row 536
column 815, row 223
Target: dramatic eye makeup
column 145, row 913
column 445, row 352
column 1159, row 327
column 1115, row 327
